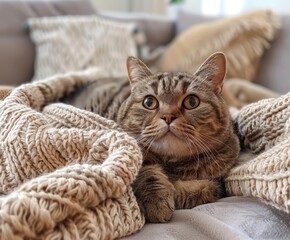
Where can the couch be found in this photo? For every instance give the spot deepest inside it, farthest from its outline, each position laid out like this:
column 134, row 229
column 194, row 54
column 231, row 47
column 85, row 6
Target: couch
column 17, row 50
column 229, row 218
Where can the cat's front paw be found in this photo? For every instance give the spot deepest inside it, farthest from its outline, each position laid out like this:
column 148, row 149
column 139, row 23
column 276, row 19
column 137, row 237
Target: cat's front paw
column 196, row 192
column 159, row 210
column 155, row 194
column 209, row 191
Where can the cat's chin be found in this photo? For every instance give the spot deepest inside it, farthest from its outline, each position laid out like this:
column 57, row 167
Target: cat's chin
column 171, row 145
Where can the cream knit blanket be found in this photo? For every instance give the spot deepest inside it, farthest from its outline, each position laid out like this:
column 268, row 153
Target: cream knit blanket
column 265, row 129
column 65, row 172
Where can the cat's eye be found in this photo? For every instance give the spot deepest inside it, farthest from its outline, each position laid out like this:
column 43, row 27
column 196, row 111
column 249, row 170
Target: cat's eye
column 150, row 102
column 191, row 102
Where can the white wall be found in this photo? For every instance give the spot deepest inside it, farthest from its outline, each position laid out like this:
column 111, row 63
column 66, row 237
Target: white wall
column 194, row 6
column 142, row 6
column 112, row 5
column 231, row 7
column 207, row 7
column 150, row 6
column 280, row 6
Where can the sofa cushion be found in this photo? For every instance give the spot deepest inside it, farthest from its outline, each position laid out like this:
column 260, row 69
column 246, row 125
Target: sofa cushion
column 275, row 69
column 72, row 43
column 242, row 38
column 16, row 48
column 158, row 30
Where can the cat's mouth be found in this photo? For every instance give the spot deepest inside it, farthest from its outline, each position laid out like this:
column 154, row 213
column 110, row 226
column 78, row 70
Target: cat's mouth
column 170, row 144
column 169, row 134
column 171, row 131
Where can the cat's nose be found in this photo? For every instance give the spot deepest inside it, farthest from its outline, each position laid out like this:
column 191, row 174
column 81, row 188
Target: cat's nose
column 168, row 118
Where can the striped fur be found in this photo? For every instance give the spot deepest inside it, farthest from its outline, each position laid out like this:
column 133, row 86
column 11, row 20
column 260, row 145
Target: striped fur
column 183, row 160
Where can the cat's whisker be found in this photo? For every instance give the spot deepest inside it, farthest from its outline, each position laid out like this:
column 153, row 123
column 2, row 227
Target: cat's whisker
column 144, row 140
column 141, row 139
column 205, row 137
column 147, row 144
column 199, row 140
column 188, row 144
column 185, row 124
column 212, row 139
column 217, row 141
column 150, row 145
column 205, row 149
column 195, row 145
column 157, row 132
column 132, row 130
column 214, row 161
column 153, row 131
column 196, row 153
column 205, row 144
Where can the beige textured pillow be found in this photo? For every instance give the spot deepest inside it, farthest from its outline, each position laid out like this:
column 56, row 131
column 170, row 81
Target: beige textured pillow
column 243, row 39
column 238, row 92
column 265, row 128
column 72, row 43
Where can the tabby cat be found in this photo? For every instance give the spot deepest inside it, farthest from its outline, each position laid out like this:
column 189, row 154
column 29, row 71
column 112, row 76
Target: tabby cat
column 183, row 127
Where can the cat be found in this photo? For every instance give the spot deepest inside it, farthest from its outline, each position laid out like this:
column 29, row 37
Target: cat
column 183, row 127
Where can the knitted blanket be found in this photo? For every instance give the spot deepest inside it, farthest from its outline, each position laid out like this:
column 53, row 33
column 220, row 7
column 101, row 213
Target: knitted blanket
column 65, row 173
column 265, row 129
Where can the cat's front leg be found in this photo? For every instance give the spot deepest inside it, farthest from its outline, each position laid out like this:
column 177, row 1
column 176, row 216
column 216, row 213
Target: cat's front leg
column 189, row 194
column 154, row 193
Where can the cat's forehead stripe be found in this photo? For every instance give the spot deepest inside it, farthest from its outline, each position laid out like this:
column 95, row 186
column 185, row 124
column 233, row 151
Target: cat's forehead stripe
column 170, row 81
column 167, row 83
column 185, row 85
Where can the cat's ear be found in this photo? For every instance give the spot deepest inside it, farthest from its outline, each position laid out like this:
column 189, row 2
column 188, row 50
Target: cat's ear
column 214, row 70
column 137, row 70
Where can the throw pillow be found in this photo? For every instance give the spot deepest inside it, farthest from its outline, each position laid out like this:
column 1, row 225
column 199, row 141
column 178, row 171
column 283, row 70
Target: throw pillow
column 72, row 43
column 242, row 38
column 238, row 92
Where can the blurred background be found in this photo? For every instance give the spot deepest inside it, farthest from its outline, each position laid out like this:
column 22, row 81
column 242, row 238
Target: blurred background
column 186, row 13
column 263, row 39
column 204, row 7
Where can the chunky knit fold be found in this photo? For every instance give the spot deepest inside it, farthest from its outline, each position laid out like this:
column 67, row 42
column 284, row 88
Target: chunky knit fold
column 265, row 129
column 65, row 173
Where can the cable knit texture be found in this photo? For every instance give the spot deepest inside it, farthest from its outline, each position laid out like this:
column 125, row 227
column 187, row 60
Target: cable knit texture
column 65, row 172
column 265, row 129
